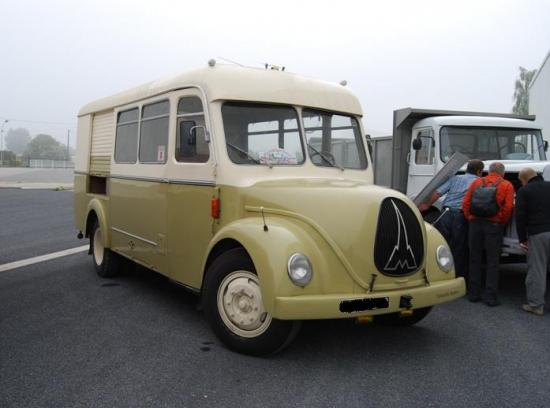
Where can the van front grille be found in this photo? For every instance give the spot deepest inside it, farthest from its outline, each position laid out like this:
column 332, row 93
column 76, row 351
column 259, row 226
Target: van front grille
column 399, row 245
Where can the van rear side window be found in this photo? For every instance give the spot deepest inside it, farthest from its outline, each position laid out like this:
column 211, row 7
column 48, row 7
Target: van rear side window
column 153, row 139
column 127, row 136
column 191, row 144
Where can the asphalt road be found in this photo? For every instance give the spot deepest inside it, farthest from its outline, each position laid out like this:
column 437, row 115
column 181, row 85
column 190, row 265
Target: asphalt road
column 70, row 338
column 35, row 223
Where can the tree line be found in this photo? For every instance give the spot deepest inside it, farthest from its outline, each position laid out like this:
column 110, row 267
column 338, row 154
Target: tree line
column 42, row 146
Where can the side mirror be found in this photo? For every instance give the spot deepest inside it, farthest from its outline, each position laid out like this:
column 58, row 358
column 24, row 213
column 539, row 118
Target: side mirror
column 187, row 143
column 206, row 134
column 417, row 144
column 546, row 145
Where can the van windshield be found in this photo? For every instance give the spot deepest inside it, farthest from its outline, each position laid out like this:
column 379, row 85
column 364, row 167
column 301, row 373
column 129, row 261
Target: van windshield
column 262, row 134
column 333, row 140
column 486, row 143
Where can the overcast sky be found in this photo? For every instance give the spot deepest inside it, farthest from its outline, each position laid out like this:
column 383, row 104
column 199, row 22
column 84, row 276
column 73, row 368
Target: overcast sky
column 57, row 55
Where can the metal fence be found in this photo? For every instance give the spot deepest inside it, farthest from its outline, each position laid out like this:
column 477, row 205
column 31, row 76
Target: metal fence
column 51, row 164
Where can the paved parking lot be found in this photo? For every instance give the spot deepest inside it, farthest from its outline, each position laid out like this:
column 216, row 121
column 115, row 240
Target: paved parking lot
column 69, row 338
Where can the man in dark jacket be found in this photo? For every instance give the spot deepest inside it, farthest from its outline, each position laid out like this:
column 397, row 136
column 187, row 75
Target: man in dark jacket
column 533, row 226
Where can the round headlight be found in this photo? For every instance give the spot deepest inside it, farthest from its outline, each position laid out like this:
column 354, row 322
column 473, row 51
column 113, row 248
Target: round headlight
column 444, row 258
column 300, row 271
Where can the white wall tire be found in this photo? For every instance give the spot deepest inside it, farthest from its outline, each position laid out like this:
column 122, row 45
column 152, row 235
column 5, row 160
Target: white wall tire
column 98, row 247
column 105, row 261
column 240, row 304
column 233, row 306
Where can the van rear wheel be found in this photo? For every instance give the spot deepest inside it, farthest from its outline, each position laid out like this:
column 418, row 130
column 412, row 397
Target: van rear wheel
column 106, row 262
column 233, row 306
column 396, row 319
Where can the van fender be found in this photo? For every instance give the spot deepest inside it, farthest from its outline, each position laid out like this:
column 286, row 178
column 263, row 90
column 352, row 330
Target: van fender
column 99, row 207
column 270, row 250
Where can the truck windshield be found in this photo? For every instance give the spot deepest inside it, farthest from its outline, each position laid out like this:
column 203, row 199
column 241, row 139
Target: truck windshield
column 262, row 134
column 485, row 143
column 334, row 140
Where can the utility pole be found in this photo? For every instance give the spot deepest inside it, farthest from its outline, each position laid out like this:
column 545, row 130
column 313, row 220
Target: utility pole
column 68, row 142
column 2, row 140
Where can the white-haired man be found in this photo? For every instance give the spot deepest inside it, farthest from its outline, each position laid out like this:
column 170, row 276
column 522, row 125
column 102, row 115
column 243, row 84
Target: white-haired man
column 488, row 206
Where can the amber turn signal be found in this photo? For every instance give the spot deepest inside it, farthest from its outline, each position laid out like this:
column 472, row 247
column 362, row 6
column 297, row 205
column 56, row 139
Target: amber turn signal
column 215, row 208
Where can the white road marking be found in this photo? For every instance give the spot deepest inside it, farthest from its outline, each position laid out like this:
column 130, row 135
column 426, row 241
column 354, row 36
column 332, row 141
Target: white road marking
column 42, row 258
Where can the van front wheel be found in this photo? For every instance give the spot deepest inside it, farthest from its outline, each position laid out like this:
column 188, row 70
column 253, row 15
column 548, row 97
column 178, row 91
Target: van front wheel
column 105, row 261
column 233, row 306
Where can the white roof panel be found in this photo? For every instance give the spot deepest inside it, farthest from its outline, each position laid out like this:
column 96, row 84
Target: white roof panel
column 230, row 82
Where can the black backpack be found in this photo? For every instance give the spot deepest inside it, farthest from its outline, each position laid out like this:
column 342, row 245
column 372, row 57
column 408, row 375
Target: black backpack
column 484, row 200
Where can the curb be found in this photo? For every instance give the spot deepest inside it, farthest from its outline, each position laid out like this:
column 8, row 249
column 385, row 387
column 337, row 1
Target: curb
column 37, row 186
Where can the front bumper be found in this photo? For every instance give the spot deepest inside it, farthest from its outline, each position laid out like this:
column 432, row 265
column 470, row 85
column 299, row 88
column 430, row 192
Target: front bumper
column 309, row 307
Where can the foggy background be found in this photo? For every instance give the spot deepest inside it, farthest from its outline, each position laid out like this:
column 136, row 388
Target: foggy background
column 55, row 56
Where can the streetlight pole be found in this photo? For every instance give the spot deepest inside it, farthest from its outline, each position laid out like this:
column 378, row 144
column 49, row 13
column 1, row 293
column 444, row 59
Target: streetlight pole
column 2, row 140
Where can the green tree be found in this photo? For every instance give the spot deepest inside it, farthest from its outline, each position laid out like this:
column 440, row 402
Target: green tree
column 45, row 147
column 17, row 140
column 521, row 91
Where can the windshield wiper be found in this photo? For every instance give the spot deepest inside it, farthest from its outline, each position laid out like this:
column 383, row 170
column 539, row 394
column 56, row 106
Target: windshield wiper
column 251, row 158
column 325, row 158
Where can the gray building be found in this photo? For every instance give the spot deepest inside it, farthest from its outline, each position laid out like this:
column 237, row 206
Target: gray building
column 539, row 97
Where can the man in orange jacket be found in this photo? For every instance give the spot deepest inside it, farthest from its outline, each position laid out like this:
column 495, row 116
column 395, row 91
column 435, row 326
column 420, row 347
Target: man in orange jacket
column 486, row 231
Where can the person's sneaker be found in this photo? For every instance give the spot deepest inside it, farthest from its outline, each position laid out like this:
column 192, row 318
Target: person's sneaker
column 474, row 299
column 539, row 311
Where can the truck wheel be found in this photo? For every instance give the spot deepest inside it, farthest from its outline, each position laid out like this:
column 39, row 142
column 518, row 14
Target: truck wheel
column 105, row 261
column 395, row 319
column 232, row 302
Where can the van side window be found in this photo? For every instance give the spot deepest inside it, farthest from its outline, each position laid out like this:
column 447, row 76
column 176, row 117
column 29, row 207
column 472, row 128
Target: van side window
column 191, row 145
column 426, row 153
column 126, row 136
column 153, row 138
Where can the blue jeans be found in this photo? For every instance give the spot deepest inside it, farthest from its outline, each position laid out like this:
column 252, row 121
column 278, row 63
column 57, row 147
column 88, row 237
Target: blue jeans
column 454, row 228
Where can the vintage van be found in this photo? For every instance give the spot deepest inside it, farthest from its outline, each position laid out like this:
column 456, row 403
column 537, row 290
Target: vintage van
column 253, row 188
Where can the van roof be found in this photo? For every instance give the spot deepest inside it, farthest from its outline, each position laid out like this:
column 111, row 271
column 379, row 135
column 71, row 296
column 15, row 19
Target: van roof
column 231, row 82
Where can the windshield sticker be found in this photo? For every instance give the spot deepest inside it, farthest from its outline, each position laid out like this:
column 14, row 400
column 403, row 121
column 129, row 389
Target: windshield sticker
column 277, row 156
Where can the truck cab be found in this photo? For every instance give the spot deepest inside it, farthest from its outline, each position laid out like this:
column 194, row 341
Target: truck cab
column 424, row 141
column 517, row 143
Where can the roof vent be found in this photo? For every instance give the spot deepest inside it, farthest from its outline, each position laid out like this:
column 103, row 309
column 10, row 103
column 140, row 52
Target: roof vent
column 274, row 67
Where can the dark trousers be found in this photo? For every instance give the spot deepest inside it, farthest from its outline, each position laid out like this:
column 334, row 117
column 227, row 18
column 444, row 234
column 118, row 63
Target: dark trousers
column 454, row 228
column 485, row 237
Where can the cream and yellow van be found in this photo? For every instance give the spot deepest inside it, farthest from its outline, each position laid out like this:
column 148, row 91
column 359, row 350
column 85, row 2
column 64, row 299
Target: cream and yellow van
column 253, row 188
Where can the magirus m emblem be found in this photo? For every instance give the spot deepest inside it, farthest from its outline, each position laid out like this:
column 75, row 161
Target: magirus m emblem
column 399, row 243
column 402, row 256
